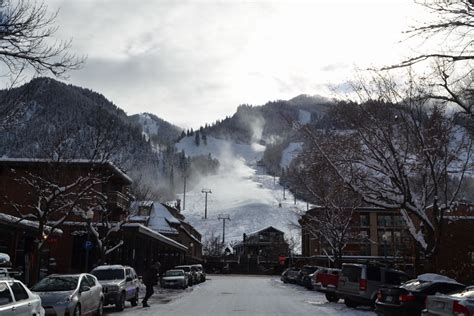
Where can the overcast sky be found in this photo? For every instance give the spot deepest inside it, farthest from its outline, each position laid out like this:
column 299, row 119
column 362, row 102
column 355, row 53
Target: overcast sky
column 192, row 62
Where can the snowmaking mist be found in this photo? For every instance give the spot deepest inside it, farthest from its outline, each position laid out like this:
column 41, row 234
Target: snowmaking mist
column 240, row 189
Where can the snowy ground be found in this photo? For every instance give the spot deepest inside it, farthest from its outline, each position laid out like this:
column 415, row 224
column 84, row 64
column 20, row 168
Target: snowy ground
column 242, row 295
column 241, row 189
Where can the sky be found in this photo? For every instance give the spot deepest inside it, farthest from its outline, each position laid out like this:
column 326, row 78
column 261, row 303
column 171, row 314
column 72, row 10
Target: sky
column 193, row 62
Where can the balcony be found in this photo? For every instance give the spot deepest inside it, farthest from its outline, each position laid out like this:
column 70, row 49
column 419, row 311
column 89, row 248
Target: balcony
column 117, row 200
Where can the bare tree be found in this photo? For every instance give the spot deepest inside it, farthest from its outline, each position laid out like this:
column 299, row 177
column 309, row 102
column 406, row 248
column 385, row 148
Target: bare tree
column 54, row 196
column 451, row 31
column 332, row 221
column 409, row 157
column 213, row 246
column 27, row 43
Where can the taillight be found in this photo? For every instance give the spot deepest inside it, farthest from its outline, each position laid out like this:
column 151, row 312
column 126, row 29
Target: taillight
column 459, row 309
column 379, row 295
column 363, row 285
column 406, row 298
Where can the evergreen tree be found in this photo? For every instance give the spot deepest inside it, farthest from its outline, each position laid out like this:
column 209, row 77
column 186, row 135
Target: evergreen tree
column 197, row 139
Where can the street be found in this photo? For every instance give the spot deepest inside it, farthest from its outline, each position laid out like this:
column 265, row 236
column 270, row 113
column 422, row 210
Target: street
column 240, row 295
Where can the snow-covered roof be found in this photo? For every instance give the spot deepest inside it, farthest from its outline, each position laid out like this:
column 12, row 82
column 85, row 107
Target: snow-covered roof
column 152, row 233
column 13, row 220
column 262, row 230
column 109, row 164
column 161, row 218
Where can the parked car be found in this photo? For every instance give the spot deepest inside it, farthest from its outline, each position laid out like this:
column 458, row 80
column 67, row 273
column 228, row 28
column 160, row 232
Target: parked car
column 174, row 278
column 119, row 283
column 290, row 275
column 325, row 281
column 70, row 294
column 201, row 272
column 359, row 283
column 304, row 277
column 460, row 303
column 16, row 299
column 190, row 273
column 409, row 298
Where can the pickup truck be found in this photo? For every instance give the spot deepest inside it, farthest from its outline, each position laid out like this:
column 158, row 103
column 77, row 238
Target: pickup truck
column 325, row 281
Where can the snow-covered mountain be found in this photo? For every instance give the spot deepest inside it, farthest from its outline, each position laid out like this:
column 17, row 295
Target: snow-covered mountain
column 155, row 129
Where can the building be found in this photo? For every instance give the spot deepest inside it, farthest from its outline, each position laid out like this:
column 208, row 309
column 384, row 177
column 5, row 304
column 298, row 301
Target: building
column 169, row 222
column 74, row 186
column 379, row 233
column 262, row 250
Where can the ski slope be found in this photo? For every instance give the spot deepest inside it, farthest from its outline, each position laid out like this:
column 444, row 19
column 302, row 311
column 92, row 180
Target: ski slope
column 242, row 190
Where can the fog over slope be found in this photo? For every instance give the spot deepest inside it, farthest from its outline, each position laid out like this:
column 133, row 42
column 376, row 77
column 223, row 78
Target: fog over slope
column 241, row 189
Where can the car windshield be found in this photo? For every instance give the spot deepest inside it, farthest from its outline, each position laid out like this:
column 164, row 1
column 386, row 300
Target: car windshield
column 56, row 284
column 185, row 268
column 174, row 273
column 109, row 274
column 415, row 285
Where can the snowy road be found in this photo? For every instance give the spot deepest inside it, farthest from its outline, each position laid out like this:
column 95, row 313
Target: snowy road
column 243, row 295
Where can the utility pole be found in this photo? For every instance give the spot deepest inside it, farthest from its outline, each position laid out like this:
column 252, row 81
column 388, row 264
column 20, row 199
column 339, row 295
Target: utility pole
column 184, row 192
column 223, row 218
column 206, row 192
column 284, row 187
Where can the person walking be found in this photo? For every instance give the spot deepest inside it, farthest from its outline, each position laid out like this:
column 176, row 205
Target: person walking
column 150, row 280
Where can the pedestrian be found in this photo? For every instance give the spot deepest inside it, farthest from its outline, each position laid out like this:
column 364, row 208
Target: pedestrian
column 150, row 280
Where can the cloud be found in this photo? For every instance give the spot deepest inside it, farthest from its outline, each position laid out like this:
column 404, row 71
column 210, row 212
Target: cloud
column 192, row 62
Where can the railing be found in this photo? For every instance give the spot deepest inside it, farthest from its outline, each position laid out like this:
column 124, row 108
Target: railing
column 117, row 199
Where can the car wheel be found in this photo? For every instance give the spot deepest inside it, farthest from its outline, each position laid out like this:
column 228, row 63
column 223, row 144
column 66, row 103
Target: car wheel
column 349, row 303
column 331, row 297
column 77, row 310
column 134, row 301
column 120, row 304
column 100, row 310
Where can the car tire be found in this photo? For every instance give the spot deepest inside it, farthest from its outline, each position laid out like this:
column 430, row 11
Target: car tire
column 100, row 309
column 331, row 297
column 120, row 304
column 77, row 310
column 134, row 300
column 350, row 303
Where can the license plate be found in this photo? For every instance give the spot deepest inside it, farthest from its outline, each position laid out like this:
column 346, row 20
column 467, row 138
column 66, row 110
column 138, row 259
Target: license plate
column 388, row 299
column 439, row 305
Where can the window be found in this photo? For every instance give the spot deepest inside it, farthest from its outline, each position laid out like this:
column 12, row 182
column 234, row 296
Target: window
column 84, row 284
column 394, row 278
column 364, row 219
column 5, row 295
column 398, row 221
column 352, row 273
column 19, row 291
column 373, row 273
column 90, row 280
column 384, row 220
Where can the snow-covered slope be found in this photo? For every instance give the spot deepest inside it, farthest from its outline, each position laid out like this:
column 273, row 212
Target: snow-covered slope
column 242, row 190
column 290, row 153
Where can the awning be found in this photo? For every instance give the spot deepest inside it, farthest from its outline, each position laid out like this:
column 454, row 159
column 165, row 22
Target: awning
column 154, row 234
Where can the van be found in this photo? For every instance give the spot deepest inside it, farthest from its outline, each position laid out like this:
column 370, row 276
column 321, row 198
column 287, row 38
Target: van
column 358, row 283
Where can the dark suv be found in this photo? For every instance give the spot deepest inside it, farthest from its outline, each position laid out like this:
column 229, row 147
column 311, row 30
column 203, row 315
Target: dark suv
column 358, row 283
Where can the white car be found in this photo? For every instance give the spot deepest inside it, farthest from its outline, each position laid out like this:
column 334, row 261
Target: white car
column 16, row 299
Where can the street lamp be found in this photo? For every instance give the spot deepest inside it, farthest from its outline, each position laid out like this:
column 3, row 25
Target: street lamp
column 89, row 217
